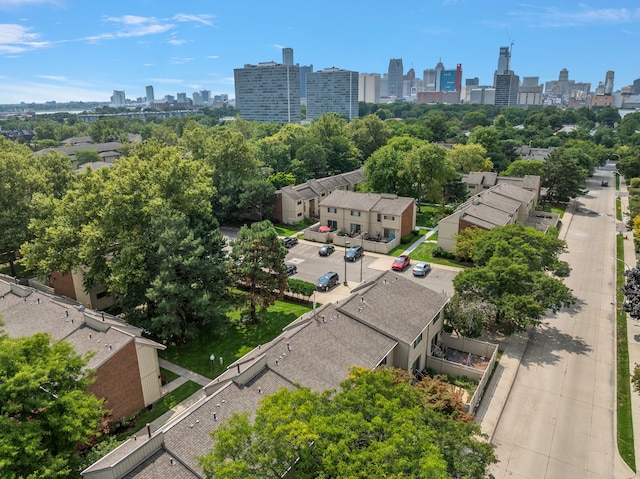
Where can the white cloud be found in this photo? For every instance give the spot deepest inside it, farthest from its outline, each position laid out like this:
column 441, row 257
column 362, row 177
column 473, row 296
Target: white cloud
column 52, row 77
column 176, row 41
column 213, row 56
column 205, row 18
column 16, row 39
column 552, row 17
column 180, row 61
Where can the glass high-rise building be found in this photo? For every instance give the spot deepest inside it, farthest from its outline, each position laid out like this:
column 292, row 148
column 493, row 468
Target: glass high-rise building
column 268, row 92
column 332, row 90
column 395, row 77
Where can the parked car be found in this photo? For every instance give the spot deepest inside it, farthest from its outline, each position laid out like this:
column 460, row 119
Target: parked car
column 401, row 262
column 421, row 269
column 291, row 269
column 354, row 253
column 326, row 250
column 290, row 242
column 327, row 281
column 604, row 183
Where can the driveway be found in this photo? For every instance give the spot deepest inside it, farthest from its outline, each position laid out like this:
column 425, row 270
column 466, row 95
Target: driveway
column 559, row 420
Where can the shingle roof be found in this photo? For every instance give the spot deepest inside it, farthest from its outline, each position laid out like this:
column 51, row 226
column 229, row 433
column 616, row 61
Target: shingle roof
column 26, row 311
column 395, row 306
column 375, row 202
column 160, row 465
column 315, row 187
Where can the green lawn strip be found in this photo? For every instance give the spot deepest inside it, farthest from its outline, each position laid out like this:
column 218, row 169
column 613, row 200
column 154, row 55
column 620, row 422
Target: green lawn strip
column 557, row 208
column 624, row 417
column 423, row 253
column 168, row 375
column 233, row 343
column 618, row 209
column 429, row 215
column 163, row 405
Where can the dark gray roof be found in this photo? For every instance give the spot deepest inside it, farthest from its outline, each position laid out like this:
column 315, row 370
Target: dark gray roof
column 324, row 346
column 480, row 178
column 528, row 182
column 160, row 466
column 26, row 311
column 380, row 203
column 316, row 187
column 485, row 216
column 395, row 306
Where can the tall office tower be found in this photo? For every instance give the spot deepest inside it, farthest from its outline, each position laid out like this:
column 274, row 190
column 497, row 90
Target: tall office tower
column 182, row 98
column 636, row 87
column 304, row 71
column 369, row 87
column 206, row 97
column 506, row 87
column 465, row 90
column 429, row 79
column 564, row 75
column 332, row 90
column 608, row 83
column 411, row 75
column 384, row 85
column 268, row 92
column 439, row 70
column 504, row 60
column 287, row 56
column 530, row 92
column 118, row 98
column 150, row 97
column 197, row 98
column 396, row 72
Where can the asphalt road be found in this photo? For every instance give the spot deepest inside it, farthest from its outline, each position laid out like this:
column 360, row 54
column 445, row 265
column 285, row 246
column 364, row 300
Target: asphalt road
column 559, row 420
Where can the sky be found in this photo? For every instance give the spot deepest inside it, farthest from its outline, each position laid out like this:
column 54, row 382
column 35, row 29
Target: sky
column 82, row 50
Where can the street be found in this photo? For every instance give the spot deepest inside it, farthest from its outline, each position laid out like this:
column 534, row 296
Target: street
column 559, row 420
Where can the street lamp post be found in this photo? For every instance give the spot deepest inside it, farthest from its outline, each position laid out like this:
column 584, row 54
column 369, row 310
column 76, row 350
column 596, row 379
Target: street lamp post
column 622, row 261
column 212, row 358
column 362, row 258
column 346, row 245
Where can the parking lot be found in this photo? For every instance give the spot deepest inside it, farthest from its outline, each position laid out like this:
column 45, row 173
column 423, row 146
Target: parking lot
column 311, row 266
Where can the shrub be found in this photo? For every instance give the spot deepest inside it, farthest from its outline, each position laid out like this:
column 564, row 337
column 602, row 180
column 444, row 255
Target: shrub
column 635, row 183
column 437, row 252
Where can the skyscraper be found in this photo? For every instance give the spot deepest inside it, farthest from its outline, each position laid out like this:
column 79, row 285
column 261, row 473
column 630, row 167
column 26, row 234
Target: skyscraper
column 608, row 83
column 118, row 98
column 506, row 82
column 304, row 71
column 332, row 90
column 396, row 73
column 150, row 97
column 369, row 87
column 287, row 56
column 268, row 92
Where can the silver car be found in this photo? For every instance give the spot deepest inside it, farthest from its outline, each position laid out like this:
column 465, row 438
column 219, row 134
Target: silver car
column 421, row 269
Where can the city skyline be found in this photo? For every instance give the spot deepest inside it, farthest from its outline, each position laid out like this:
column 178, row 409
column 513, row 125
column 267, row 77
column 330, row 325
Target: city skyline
column 68, row 50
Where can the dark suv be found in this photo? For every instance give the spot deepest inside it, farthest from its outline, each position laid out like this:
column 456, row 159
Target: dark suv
column 290, row 242
column 353, row 253
column 327, row 281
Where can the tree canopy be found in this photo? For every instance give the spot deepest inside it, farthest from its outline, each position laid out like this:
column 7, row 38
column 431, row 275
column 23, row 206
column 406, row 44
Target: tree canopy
column 377, row 425
column 517, row 270
column 45, row 409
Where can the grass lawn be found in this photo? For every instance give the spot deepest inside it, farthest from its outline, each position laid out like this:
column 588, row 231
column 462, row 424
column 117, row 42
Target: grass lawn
column 236, row 341
column 171, row 400
column 429, row 215
column 289, row 230
column 423, row 253
column 169, row 375
column 624, row 419
column 557, row 208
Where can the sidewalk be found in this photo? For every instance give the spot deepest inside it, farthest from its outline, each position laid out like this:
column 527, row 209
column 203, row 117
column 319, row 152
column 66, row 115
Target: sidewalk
column 633, row 326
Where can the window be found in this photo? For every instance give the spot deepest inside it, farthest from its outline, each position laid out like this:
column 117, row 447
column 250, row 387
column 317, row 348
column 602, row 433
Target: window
column 102, row 294
column 379, row 217
column 417, row 341
column 332, row 224
column 299, row 214
column 299, row 202
column 391, row 218
column 332, row 210
column 355, row 213
column 354, row 228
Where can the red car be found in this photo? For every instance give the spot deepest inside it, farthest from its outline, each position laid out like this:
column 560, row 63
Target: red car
column 401, row 262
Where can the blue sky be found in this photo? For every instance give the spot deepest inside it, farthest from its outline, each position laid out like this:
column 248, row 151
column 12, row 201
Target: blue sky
column 84, row 49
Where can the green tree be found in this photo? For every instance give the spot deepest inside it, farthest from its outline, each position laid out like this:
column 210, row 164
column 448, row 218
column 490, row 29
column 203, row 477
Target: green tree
column 521, row 168
column 258, row 256
column 45, row 408
column 87, row 156
column 368, row 134
column 488, row 137
column 427, row 168
column 466, row 242
column 107, row 224
column 468, row 318
column 563, row 176
column 377, row 425
column 518, row 272
column 190, row 276
column 25, row 177
column 383, row 171
column 468, row 158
